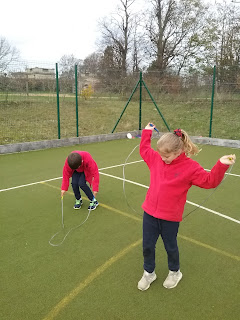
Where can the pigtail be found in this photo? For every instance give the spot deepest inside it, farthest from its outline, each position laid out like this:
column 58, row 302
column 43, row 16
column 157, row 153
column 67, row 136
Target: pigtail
column 189, row 147
column 175, row 141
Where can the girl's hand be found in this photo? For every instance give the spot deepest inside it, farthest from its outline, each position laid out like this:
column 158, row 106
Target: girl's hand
column 150, row 126
column 229, row 159
column 62, row 192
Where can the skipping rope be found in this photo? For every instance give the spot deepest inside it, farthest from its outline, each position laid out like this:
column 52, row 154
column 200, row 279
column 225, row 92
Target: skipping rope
column 199, row 206
column 58, row 244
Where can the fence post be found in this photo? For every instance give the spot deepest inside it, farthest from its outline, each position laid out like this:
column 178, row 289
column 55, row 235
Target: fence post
column 125, row 107
column 212, row 100
column 76, row 93
column 149, row 93
column 140, row 102
column 58, row 109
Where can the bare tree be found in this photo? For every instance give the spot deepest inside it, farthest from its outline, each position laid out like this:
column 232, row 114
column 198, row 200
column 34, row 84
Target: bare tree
column 116, row 33
column 109, row 66
column 171, row 28
column 8, row 54
column 92, row 63
column 220, row 38
column 229, row 28
column 138, row 44
column 227, row 56
column 67, row 64
column 67, row 72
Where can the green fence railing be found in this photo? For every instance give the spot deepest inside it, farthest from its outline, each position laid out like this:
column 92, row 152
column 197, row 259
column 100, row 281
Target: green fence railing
column 51, row 101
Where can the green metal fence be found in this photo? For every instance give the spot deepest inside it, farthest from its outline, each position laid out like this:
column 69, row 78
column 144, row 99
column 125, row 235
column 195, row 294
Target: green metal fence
column 40, row 101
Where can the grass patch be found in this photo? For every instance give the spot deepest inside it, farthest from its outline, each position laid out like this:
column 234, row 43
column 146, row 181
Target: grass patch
column 34, row 117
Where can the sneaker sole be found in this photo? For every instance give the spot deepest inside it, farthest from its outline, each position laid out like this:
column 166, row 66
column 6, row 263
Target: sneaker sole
column 175, row 283
column 76, row 208
column 148, row 285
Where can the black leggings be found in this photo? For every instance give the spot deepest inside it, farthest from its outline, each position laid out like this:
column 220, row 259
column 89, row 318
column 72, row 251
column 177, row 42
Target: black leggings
column 152, row 228
column 79, row 181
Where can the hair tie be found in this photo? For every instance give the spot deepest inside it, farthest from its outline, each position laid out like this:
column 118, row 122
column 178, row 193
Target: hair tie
column 178, row 132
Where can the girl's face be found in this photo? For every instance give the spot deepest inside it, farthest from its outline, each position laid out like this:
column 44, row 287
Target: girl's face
column 169, row 157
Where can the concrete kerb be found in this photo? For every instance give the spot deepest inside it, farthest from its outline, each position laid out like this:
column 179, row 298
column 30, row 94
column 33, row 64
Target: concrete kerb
column 217, row 142
column 47, row 144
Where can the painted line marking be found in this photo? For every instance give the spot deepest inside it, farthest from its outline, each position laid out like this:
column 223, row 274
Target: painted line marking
column 82, row 285
column 201, row 244
column 115, row 166
column 189, row 202
column 228, row 174
column 33, row 183
column 206, row 246
column 135, row 183
column 29, row 184
column 118, row 178
column 120, row 165
column 214, row 212
column 101, row 205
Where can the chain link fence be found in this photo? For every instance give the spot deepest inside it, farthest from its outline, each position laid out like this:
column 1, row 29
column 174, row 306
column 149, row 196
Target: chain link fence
column 35, row 104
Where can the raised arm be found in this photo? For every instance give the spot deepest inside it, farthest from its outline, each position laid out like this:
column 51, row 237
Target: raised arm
column 146, row 151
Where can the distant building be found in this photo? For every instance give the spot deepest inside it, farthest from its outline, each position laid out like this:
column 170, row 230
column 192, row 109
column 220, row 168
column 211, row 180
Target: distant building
column 35, row 73
column 40, row 73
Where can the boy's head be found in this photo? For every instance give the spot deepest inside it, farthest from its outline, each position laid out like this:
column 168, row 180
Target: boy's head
column 74, row 160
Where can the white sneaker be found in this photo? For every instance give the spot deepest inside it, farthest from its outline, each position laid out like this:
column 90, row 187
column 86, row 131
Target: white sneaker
column 146, row 280
column 172, row 279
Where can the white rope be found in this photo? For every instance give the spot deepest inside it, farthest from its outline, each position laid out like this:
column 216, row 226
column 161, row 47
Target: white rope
column 124, row 192
column 124, row 179
column 58, row 244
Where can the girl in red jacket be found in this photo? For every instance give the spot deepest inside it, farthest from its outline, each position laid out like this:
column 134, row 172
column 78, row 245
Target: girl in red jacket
column 172, row 173
column 82, row 168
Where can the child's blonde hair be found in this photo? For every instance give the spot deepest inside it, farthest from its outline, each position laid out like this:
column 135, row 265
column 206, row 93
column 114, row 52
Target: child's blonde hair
column 172, row 142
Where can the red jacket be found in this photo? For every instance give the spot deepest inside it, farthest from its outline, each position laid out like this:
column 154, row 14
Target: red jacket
column 88, row 166
column 169, row 183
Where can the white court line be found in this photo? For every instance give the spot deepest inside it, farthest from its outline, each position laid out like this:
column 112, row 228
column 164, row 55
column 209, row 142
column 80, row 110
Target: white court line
column 227, row 174
column 215, row 212
column 132, row 182
column 120, row 165
column 192, row 203
column 33, row 183
column 118, row 178
column 29, row 184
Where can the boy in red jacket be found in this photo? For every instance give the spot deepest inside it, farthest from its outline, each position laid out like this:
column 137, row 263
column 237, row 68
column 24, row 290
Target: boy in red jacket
column 172, row 173
column 82, row 168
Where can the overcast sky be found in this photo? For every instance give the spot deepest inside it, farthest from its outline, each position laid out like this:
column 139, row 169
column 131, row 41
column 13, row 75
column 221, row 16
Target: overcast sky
column 46, row 30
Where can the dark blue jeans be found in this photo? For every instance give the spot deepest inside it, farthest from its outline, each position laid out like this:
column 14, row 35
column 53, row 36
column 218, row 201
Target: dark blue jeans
column 152, row 228
column 79, row 181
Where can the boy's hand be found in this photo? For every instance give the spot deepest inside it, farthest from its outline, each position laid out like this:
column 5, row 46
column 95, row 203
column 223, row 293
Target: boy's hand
column 228, row 159
column 62, row 192
column 150, row 126
column 94, row 194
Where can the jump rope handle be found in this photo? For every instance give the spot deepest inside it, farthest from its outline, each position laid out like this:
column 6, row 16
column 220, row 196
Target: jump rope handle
column 151, row 125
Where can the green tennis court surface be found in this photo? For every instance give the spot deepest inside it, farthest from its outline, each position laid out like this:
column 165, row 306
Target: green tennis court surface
column 94, row 273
